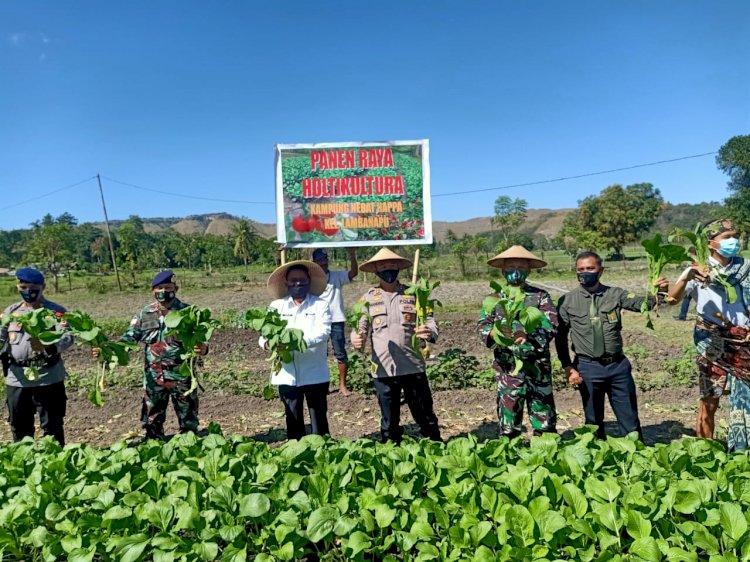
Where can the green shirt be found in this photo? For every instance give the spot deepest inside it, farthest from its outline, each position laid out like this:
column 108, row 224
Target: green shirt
column 594, row 321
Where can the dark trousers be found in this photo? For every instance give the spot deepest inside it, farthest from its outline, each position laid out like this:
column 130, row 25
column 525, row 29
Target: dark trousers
column 615, row 381
column 49, row 401
column 294, row 397
column 418, row 397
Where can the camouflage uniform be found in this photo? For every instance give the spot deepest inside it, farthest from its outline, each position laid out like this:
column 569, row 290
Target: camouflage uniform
column 162, row 379
column 533, row 383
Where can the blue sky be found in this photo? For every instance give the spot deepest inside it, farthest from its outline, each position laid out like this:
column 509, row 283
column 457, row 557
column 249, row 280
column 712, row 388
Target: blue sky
column 190, row 97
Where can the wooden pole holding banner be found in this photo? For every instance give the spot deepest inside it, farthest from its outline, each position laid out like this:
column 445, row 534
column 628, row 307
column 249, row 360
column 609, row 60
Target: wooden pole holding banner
column 283, row 256
column 416, row 266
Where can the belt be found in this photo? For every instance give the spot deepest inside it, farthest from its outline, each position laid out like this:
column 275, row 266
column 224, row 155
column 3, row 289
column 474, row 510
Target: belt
column 37, row 362
column 606, row 359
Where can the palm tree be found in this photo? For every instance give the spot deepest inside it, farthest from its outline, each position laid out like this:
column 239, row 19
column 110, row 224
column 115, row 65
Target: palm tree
column 244, row 235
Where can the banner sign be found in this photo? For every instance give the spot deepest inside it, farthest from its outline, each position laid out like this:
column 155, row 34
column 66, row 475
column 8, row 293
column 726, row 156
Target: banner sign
column 353, row 194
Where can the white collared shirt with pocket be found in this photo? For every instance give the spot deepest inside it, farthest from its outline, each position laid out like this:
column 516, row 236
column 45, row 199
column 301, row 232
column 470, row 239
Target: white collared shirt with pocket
column 313, row 317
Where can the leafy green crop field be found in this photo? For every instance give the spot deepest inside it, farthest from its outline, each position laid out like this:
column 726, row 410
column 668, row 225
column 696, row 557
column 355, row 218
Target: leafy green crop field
column 234, row 499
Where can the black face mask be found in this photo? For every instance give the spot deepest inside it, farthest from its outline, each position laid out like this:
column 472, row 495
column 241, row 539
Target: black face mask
column 164, row 296
column 299, row 292
column 588, row 279
column 29, row 295
column 388, row 275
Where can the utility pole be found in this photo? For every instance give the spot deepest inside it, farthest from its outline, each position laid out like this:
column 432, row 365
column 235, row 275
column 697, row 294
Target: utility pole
column 109, row 234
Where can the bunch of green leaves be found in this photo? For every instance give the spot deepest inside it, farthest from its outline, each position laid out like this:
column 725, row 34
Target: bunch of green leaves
column 357, row 312
column 280, row 339
column 40, row 324
column 425, row 305
column 110, row 353
column 699, row 239
column 235, row 499
column 658, row 255
column 509, row 306
column 191, row 326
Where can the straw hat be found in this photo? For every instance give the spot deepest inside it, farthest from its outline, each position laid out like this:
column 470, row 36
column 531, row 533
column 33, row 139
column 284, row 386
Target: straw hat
column 517, row 252
column 384, row 255
column 277, row 281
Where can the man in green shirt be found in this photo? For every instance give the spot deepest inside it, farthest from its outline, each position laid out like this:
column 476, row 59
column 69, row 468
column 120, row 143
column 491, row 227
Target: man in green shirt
column 592, row 315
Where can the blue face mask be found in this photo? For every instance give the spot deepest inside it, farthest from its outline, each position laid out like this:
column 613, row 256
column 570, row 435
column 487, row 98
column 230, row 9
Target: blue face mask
column 515, row 276
column 729, row 247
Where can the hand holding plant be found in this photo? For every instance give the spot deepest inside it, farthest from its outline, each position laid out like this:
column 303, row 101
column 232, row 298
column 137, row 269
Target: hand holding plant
column 193, row 327
column 658, row 255
column 353, row 318
column 41, row 325
column 508, row 306
column 109, row 354
column 422, row 291
column 279, row 339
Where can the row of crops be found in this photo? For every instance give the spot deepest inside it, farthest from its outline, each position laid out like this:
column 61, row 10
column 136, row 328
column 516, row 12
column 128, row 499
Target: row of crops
column 234, row 499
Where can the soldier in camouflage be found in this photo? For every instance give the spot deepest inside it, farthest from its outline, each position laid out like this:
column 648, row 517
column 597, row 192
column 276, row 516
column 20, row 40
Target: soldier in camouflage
column 162, row 379
column 532, row 385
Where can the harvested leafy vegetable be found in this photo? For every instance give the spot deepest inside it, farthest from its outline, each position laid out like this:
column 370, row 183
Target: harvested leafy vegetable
column 510, row 303
column 191, row 326
column 40, row 324
column 422, row 291
column 111, row 354
column 658, row 255
column 281, row 340
column 699, row 239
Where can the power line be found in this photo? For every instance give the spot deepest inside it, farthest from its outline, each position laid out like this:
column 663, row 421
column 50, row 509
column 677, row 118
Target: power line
column 173, row 194
column 43, row 195
column 573, row 177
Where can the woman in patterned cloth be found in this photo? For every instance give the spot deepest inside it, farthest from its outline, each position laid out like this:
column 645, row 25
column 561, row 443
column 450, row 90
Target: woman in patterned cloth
column 722, row 333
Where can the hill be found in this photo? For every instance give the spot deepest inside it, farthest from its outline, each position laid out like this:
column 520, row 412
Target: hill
column 539, row 222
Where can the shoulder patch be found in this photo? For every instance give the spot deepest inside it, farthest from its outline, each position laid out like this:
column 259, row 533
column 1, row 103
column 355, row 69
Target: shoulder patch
column 631, row 295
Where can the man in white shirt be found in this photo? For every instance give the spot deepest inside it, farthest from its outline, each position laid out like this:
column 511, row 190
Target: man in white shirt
column 718, row 321
column 334, row 296
column 295, row 287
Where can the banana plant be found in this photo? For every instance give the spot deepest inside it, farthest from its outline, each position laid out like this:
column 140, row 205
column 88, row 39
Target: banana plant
column 191, row 326
column 110, row 355
column 281, row 340
column 422, row 291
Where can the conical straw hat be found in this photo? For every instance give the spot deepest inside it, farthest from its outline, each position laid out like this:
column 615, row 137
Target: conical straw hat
column 517, row 252
column 277, row 281
column 384, row 255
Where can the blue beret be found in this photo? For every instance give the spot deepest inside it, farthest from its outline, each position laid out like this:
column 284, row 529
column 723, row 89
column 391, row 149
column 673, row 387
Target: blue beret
column 30, row 275
column 166, row 276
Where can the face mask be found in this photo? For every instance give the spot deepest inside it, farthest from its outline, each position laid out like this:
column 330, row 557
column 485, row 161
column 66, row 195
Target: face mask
column 29, row 295
column 729, row 247
column 164, row 296
column 388, row 275
column 588, row 278
column 299, row 292
column 515, row 276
